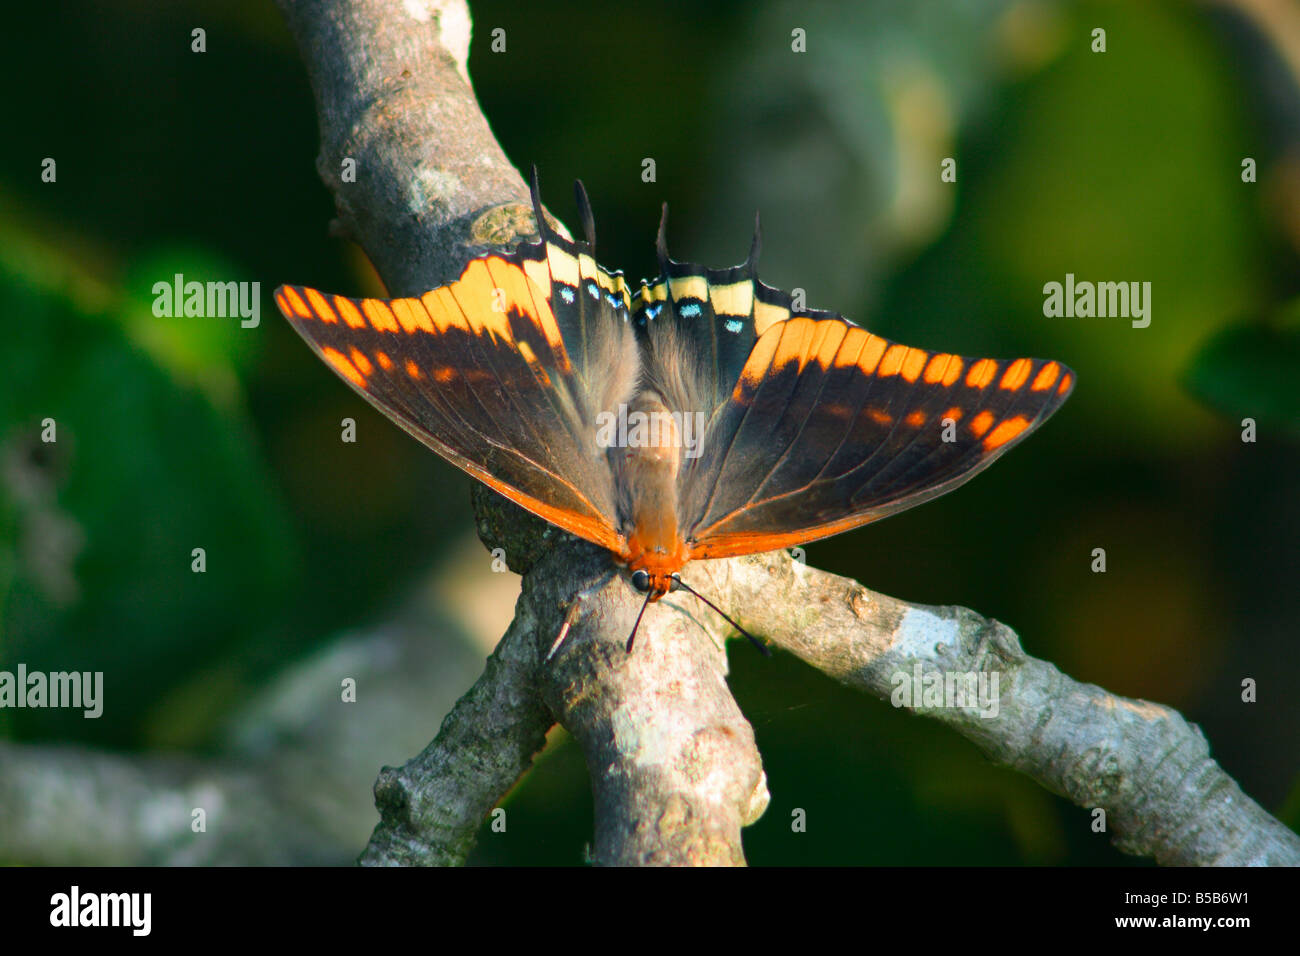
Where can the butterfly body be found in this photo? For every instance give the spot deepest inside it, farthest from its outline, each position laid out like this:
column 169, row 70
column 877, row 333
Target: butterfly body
column 702, row 415
column 647, row 478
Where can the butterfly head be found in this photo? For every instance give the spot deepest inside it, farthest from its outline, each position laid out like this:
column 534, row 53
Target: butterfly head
column 647, row 583
column 654, row 551
column 659, row 584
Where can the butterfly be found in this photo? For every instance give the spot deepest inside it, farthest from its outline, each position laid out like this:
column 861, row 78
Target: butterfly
column 703, row 414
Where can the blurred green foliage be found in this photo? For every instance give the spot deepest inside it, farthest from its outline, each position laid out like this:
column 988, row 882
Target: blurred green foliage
column 146, row 468
column 1252, row 370
column 1125, row 166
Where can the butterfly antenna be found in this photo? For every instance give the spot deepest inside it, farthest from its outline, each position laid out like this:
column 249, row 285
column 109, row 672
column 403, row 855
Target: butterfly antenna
column 535, row 191
column 763, row 648
column 755, row 247
column 661, row 242
column 632, row 636
column 584, row 211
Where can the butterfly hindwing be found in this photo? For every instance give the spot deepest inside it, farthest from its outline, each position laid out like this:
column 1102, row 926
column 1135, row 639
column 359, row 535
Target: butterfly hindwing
column 815, row 425
column 700, row 325
column 830, row 427
column 501, row 372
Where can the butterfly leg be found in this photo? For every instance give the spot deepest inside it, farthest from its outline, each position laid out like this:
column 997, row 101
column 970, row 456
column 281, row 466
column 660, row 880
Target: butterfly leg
column 575, row 606
column 564, row 629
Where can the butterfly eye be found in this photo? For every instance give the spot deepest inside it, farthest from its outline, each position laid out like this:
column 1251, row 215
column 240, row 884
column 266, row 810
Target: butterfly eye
column 641, row 581
column 675, row 582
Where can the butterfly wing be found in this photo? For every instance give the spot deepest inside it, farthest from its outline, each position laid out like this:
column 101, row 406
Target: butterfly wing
column 816, row 426
column 501, row 372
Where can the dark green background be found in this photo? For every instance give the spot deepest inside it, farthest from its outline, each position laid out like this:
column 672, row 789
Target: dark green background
column 1117, row 166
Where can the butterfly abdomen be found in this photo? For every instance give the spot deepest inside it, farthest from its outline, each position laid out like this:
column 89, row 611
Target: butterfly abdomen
column 645, row 463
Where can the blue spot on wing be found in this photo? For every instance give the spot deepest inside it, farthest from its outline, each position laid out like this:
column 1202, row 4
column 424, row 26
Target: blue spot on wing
column 734, row 325
column 691, row 310
column 566, row 293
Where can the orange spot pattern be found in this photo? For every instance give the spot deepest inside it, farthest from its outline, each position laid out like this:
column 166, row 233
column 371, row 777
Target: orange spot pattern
column 913, row 362
column 379, row 314
column 872, row 352
column 1017, row 374
column 320, row 306
column 981, row 423
column 893, row 361
column 345, row 368
column 411, row 316
column 1046, row 377
column 296, row 304
column 1005, row 432
column 981, row 373
column 361, row 362
column 348, row 309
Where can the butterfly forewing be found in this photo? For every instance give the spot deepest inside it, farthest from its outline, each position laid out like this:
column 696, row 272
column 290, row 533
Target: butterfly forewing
column 500, row 372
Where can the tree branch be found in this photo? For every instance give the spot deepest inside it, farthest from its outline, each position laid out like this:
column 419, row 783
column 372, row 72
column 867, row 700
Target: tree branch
column 1146, row 766
column 433, row 805
column 674, row 766
column 673, row 763
column 392, row 93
